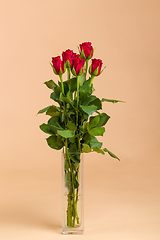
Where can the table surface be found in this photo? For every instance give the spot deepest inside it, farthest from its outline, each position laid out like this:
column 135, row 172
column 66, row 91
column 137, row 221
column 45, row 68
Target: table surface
column 115, row 208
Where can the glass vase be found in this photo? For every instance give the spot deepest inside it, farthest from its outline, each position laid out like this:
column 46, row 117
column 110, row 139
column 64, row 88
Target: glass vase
column 72, row 193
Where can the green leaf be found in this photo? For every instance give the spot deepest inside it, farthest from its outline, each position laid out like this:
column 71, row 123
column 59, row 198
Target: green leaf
column 75, row 158
column 91, row 88
column 56, row 126
column 111, row 100
column 84, row 117
column 53, row 111
column 46, row 128
column 55, row 97
column 66, row 99
column 51, row 84
column 72, row 84
column 93, row 121
column 85, row 127
column 82, row 79
column 71, row 126
column 66, row 88
column 50, row 129
column 97, row 131
column 84, row 91
column 55, row 142
column 89, row 100
column 43, row 110
column 76, row 166
column 86, row 148
column 86, row 138
column 93, row 100
column 53, row 120
column 73, row 148
column 66, row 133
column 91, row 140
column 97, row 103
column 89, row 109
column 94, row 143
column 103, row 119
column 73, row 139
column 73, row 153
column 110, row 153
column 96, row 149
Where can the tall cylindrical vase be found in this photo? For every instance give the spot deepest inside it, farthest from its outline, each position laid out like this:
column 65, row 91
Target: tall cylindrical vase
column 72, row 193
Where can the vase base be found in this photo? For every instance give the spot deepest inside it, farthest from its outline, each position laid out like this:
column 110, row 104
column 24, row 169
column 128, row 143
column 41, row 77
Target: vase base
column 71, row 231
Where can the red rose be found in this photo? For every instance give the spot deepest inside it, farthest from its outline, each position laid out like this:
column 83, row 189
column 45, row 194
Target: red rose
column 77, row 67
column 67, row 55
column 58, row 65
column 86, row 50
column 74, row 56
column 95, row 68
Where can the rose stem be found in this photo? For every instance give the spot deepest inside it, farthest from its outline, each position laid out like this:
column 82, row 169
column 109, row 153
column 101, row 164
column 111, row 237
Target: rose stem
column 77, row 99
column 92, row 77
column 68, row 73
column 62, row 83
column 86, row 66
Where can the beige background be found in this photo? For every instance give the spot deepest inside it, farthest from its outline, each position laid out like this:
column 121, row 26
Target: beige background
column 122, row 199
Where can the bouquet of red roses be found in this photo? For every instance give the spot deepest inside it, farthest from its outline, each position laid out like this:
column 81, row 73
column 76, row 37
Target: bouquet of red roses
column 76, row 118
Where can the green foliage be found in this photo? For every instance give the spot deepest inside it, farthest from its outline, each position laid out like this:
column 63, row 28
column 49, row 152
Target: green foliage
column 111, row 100
column 73, row 153
column 97, row 131
column 53, row 111
column 55, row 142
column 75, row 122
column 54, row 120
column 103, row 119
column 96, row 149
column 94, row 143
column 85, row 91
column 86, row 148
column 43, row 110
column 46, row 128
column 94, row 121
column 66, row 133
column 52, row 85
column 110, row 153
column 71, row 126
column 55, row 97
column 89, row 100
column 72, row 83
column 89, row 109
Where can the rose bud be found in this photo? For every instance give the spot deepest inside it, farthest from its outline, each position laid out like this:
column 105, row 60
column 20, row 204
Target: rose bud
column 66, row 57
column 77, row 67
column 74, row 55
column 58, row 65
column 95, row 67
column 86, row 50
